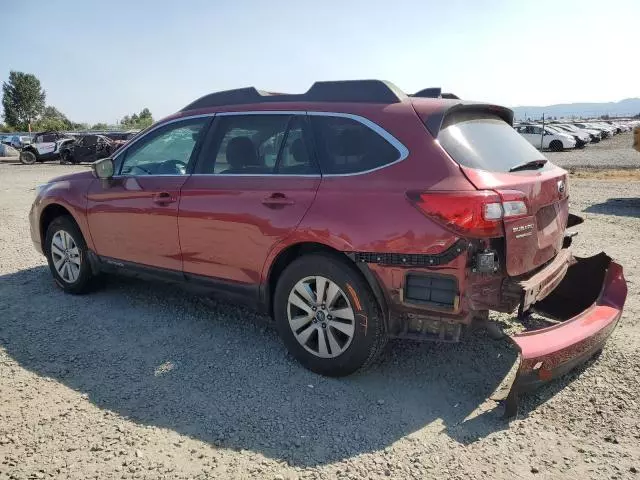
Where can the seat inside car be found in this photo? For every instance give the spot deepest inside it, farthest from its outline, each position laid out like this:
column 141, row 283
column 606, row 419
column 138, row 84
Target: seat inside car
column 242, row 157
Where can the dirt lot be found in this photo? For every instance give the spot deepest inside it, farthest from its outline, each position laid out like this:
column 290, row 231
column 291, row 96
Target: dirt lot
column 144, row 380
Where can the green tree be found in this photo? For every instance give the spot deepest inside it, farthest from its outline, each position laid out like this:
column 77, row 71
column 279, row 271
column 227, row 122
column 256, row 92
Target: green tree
column 79, row 126
column 100, row 126
column 52, row 119
column 22, row 99
column 137, row 120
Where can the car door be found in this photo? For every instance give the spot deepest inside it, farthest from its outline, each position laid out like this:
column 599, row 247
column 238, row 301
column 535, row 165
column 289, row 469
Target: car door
column 81, row 149
column 135, row 217
column 45, row 144
column 535, row 135
column 254, row 182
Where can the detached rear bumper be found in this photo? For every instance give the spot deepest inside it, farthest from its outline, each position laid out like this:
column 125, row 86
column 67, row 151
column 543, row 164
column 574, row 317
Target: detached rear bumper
column 588, row 303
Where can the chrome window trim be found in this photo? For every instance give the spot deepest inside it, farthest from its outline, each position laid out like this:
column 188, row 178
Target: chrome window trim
column 266, row 175
column 403, row 151
column 262, row 112
column 156, row 127
column 397, row 144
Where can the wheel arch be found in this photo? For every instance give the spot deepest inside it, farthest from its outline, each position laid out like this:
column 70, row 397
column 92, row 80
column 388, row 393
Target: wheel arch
column 296, row 250
column 48, row 215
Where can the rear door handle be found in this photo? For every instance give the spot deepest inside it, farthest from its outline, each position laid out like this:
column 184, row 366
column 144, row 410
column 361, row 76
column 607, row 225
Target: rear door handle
column 163, row 198
column 277, row 200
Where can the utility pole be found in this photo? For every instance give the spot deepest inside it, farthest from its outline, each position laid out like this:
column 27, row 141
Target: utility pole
column 542, row 136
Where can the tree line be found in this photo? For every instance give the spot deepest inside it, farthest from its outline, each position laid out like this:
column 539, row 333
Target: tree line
column 24, row 105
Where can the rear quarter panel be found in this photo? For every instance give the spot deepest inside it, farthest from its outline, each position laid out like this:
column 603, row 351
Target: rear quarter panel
column 370, row 211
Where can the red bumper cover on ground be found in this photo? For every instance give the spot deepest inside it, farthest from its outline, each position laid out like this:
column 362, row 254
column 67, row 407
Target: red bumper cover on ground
column 587, row 305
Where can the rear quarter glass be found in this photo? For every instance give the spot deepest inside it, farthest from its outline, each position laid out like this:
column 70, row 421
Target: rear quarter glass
column 486, row 142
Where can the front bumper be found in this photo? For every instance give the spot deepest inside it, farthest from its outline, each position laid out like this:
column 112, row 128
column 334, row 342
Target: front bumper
column 33, row 228
column 587, row 304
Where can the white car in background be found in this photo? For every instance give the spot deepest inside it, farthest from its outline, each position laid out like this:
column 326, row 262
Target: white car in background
column 549, row 139
column 582, row 138
column 595, row 135
column 610, row 128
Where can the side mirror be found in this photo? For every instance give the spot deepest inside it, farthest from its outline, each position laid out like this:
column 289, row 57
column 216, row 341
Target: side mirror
column 103, row 169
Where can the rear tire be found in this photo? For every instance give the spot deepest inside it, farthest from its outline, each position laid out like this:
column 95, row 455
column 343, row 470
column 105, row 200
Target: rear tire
column 556, row 146
column 66, row 253
column 28, row 158
column 346, row 324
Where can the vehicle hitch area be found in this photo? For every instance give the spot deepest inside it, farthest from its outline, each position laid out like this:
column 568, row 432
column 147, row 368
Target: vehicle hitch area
column 582, row 311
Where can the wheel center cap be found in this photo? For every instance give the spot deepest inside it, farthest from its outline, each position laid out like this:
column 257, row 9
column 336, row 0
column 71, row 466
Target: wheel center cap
column 320, row 316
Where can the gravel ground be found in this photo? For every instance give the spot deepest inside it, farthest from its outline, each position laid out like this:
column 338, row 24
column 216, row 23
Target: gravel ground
column 616, row 152
column 143, row 380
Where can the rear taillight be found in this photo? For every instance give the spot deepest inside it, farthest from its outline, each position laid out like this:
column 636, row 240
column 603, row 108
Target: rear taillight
column 473, row 214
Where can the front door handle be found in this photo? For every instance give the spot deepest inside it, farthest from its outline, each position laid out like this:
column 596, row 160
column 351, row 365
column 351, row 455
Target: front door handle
column 276, row 200
column 163, row 198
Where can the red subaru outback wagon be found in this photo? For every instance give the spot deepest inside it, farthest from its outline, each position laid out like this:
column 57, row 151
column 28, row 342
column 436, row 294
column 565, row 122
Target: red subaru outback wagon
column 351, row 213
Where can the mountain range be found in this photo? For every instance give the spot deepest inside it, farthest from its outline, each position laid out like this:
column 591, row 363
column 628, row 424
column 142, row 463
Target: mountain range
column 626, row 107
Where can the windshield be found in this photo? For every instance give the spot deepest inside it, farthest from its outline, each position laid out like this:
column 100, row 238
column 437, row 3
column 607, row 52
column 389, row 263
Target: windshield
column 487, row 143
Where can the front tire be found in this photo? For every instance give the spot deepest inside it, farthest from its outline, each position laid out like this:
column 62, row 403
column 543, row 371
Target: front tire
column 66, row 253
column 327, row 316
column 28, row 158
column 556, row 146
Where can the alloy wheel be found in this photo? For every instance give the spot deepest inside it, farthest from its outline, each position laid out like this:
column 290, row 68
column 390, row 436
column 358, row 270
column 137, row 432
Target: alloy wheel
column 66, row 256
column 321, row 317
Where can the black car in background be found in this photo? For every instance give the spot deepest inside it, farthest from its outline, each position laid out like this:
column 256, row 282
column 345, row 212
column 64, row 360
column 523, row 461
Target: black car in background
column 87, row 148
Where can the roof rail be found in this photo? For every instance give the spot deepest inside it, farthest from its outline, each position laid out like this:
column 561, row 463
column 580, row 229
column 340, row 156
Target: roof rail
column 435, row 92
column 356, row 91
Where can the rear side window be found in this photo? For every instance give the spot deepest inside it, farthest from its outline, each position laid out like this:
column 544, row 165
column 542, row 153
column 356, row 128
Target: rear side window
column 486, row 142
column 344, row 145
column 259, row 145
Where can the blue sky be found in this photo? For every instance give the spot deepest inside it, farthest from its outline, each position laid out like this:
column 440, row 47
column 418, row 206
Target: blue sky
column 100, row 60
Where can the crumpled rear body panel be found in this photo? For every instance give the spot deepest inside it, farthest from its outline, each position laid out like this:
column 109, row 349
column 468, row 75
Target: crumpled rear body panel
column 587, row 305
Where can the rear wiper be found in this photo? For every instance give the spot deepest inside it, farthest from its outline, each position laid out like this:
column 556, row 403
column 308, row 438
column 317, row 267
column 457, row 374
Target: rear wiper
column 532, row 165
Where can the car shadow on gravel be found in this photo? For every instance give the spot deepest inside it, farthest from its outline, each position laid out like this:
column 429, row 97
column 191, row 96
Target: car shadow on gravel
column 621, row 207
column 160, row 356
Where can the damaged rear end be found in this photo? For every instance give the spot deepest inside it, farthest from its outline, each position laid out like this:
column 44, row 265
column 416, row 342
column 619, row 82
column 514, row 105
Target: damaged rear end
column 582, row 311
column 522, row 257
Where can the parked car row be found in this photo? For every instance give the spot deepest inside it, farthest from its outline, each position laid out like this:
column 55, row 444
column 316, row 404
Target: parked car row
column 558, row 136
column 66, row 147
column 15, row 141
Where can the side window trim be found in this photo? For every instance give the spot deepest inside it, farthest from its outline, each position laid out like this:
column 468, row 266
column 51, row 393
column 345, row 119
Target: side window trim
column 210, row 139
column 403, row 151
column 118, row 160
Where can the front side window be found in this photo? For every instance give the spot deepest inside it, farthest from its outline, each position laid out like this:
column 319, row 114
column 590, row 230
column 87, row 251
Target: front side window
column 258, row 145
column 166, row 151
column 345, row 145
